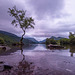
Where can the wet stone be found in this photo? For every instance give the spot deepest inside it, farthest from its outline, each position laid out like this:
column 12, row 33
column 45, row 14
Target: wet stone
column 7, row 67
column 1, row 67
column 1, row 62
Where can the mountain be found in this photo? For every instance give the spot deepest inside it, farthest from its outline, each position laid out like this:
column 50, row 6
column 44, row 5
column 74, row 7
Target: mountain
column 52, row 37
column 43, row 41
column 32, row 39
column 56, row 38
column 7, row 33
column 11, row 38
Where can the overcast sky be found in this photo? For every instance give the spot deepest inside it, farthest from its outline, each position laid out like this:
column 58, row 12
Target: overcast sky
column 52, row 17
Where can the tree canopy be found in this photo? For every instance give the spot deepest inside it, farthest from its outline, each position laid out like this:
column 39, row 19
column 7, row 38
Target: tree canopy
column 21, row 20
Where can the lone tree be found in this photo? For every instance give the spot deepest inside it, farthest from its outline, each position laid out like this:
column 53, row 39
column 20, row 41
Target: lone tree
column 21, row 20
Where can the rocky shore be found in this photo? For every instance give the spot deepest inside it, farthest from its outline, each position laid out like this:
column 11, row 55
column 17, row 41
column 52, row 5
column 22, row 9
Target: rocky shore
column 4, row 48
column 39, row 63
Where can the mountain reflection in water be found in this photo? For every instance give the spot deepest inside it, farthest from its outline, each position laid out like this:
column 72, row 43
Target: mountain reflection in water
column 69, row 50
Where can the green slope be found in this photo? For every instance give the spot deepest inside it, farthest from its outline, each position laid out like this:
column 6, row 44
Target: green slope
column 10, row 38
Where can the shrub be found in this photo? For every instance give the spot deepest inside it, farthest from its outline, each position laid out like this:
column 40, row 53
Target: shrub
column 1, row 40
column 64, row 41
column 50, row 41
column 72, row 40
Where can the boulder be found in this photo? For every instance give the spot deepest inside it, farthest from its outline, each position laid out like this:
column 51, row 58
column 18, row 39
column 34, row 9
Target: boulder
column 7, row 67
column 3, row 48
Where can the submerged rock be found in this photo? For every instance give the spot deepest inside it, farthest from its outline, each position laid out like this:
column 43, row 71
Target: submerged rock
column 1, row 68
column 1, row 62
column 7, row 67
column 55, row 46
column 3, row 48
column 4, row 66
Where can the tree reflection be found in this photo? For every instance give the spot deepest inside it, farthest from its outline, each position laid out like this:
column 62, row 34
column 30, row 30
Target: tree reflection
column 21, row 48
column 72, row 50
column 25, row 67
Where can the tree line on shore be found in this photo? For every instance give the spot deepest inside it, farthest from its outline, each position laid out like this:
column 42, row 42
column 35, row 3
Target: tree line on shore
column 62, row 41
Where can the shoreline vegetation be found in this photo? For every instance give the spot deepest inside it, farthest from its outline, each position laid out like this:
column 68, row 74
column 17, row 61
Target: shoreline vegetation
column 11, row 39
column 8, row 39
column 62, row 41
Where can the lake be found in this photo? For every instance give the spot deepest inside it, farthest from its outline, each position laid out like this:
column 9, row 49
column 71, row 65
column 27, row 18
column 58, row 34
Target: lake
column 45, row 61
column 67, row 51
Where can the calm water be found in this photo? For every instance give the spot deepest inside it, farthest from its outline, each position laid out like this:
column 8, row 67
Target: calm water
column 67, row 51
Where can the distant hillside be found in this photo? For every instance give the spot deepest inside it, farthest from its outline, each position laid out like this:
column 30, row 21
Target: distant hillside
column 52, row 37
column 11, row 38
column 43, row 41
column 8, row 34
column 56, row 38
column 32, row 39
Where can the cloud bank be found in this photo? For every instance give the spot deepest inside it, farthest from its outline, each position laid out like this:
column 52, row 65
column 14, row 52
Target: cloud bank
column 52, row 17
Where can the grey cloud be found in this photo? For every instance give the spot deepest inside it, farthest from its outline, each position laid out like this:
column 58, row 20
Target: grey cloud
column 11, row 29
column 62, row 30
column 41, row 9
column 52, row 34
column 46, row 7
column 5, row 19
column 4, row 5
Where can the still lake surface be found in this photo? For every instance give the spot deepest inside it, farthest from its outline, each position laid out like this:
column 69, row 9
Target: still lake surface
column 67, row 51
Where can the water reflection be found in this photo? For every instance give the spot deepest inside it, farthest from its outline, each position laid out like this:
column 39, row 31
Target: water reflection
column 21, row 48
column 30, row 46
column 40, row 47
column 9, row 52
column 24, row 66
column 68, row 50
column 72, row 50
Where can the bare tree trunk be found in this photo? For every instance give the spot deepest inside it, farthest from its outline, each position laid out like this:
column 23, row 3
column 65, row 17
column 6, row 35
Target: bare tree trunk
column 21, row 40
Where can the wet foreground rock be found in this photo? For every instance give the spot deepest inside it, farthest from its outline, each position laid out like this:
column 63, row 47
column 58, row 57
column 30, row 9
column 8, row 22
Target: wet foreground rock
column 24, row 68
column 4, row 66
